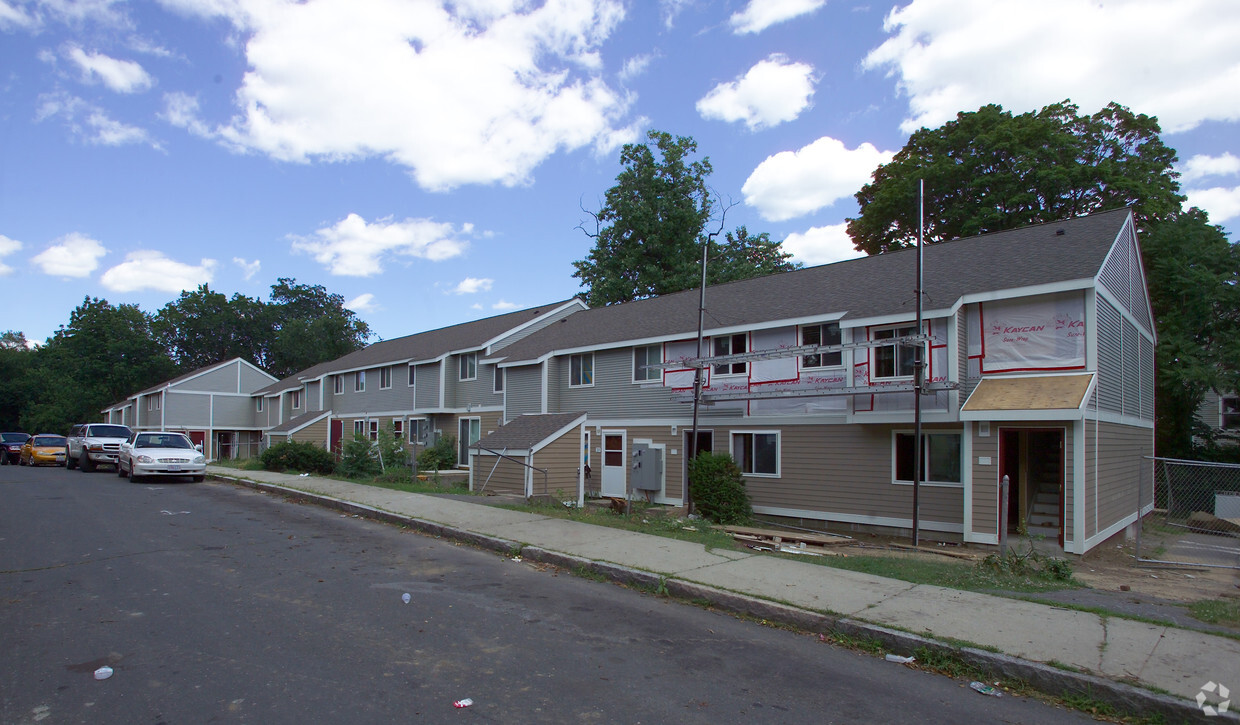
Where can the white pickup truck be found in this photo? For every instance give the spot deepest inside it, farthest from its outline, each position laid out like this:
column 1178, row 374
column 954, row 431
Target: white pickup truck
column 91, row 444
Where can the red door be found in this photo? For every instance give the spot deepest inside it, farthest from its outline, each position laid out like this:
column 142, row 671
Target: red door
column 199, row 438
column 336, row 435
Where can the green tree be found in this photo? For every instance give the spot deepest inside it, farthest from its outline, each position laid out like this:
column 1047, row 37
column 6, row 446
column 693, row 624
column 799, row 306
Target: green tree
column 650, row 229
column 16, row 361
column 103, row 355
column 988, row 171
column 203, row 327
column 310, row 326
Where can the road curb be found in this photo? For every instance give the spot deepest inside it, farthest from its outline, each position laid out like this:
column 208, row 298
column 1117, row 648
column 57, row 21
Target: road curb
column 1044, row 678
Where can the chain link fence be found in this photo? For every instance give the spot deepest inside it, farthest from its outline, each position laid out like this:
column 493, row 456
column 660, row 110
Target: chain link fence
column 1196, row 516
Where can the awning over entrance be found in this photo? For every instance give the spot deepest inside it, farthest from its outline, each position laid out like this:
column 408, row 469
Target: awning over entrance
column 1031, row 397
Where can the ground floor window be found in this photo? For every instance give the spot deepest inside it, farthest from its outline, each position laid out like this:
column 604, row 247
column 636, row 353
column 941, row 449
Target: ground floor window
column 940, row 458
column 1230, row 408
column 359, row 427
column 756, row 452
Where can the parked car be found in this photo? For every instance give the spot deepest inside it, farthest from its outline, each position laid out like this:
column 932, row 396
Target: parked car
column 43, row 449
column 11, row 447
column 160, row 453
column 93, row 443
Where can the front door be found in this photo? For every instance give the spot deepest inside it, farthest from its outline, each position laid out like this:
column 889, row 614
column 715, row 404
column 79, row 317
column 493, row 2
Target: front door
column 1033, row 460
column 614, row 464
column 337, row 436
column 470, row 432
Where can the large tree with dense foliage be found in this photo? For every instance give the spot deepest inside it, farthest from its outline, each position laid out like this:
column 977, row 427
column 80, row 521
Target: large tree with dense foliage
column 16, row 361
column 310, row 326
column 203, row 327
column 988, row 170
column 650, row 229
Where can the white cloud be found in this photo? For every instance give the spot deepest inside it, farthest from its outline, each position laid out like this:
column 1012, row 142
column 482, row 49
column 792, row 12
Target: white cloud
column 792, row 183
column 759, row 15
column 248, row 268
column 822, row 245
column 90, row 122
column 73, row 255
column 771, row 92
column 181, row 110
column 1219, row 202
column 456, row 92
column 362, row 303
column 476, row 306
column 635, row 67
column 1178, row 61
column 354, row 248
column 122, row 76
column 504, row 305
column 473, row 285
column 1201, row 166
column 151, row 270
column 7, row 247
column 15, row 17
column 110, row 132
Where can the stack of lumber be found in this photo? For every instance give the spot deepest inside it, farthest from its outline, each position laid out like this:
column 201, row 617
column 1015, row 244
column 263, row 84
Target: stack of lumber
column 789, row 542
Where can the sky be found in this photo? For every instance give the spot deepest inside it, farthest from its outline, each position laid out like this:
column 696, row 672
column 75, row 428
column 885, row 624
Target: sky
column 436, row 162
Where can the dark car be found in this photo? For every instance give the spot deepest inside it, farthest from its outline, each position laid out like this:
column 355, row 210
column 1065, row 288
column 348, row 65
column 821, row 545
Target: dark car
column 11, row 447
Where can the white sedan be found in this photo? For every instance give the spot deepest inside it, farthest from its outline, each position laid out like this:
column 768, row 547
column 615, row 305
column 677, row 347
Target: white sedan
column 160, row 453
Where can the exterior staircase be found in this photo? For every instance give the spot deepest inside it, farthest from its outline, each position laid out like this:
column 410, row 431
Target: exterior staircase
column 1043, row 519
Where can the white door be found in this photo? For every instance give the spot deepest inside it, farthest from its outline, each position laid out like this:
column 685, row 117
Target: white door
column 614, row 463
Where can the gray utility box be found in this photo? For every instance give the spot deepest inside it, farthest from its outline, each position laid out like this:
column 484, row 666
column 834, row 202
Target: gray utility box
column 647, row 468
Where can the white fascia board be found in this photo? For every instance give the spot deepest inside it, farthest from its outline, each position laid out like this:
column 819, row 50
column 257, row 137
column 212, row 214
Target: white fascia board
column 574, row 302
column 903, row 317
column 577, row 423
column 1039, row 289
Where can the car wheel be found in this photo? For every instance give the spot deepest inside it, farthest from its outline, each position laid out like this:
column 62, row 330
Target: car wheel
column 70, row 462
column 199, row 479
column 120, row 472
column 87, row 464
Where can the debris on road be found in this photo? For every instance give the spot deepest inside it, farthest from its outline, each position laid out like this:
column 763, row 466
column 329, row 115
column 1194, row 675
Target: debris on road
column 463, row 703
column 899, row 659
column 985, row 689
column 103, row 673
column 405, row 597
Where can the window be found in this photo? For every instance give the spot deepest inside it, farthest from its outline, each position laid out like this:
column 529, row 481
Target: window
column 468, row 366
column 359, row 427
column 827, row 333
column 374, row 430
column 385, row 378
column 258, row 404
column 757, row 453
column 338, row 384
column 418, row 428
column 359, row 382
column 398, row 429
column 940, row 458
column 893, row 361
column 644, row 356
column 730, row 345
column 413, row 376
column 295, row 399
column 581, row 370
column 499, row 380
column 1230, row 407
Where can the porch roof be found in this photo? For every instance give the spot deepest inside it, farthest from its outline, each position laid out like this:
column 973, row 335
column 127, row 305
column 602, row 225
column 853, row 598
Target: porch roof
column 1029, row 397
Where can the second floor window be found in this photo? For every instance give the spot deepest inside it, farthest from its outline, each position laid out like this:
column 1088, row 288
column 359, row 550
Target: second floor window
column 385, row 378
column 359, row 383
column 827, row 333
column 468, row 369
column 499, row 380
column 730, row 345
column 642, row 358
column 581, row 370
column 295, row 399
column 338, row 384
column 893, row 361
column 413, row 374
column 258, row 404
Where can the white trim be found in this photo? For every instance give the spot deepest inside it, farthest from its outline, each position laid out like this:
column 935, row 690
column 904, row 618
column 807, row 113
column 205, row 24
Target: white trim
column 926, row 433
column 570, row 370
column 1083, row 283
column 1078, row 487
column 658, row 374
column 888, row 521
column 460, row 361
column 779, row 449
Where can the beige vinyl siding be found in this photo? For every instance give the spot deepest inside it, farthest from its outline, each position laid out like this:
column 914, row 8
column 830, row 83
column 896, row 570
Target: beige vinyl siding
column 315, row 433
column 560, row 460
column 673, row 465
column 1117, row 470
column 498, row 475
column 847, row 470
column 985, row 483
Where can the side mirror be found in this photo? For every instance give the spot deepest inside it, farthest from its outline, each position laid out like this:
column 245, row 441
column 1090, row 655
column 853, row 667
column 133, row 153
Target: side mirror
column 198, row 447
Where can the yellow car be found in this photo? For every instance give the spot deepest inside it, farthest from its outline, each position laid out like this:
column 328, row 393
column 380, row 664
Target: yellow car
column 43, row 448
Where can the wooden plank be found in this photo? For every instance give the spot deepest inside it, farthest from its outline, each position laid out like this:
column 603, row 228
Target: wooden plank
column 823, row 539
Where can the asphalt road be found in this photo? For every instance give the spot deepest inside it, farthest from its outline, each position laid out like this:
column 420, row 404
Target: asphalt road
column 213, row 603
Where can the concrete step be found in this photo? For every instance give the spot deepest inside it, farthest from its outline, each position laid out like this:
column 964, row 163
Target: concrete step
column 1043, row 520
column 1047, row 498
column 1045, row 509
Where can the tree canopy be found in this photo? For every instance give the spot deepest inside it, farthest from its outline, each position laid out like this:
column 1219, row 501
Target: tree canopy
column 651, row 227
column 988, row 171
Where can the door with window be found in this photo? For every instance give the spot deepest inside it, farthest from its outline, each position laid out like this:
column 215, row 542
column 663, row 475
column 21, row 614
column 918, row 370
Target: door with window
column 614, row 466
column 470, row 430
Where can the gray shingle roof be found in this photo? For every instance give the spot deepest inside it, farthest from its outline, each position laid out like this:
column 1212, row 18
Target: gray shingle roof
column 298, row 422
column 868, row 287
column 527, row 431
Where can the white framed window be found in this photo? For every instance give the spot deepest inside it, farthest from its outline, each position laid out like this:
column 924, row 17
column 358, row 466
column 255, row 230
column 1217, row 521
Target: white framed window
column 581, row 370
column 827, row 333
column 467, row 366
column 359, row 381
column 418, row 428
column 385, row 377
column 258, row 405
column 338, row 384
column 730, row 345
column 359, row 427
column 498, row 385
column 642, row 357
column 756, row 452
column 892, row 361
column 294, row 399
column 1229, row 412
column 941, row 458
column 413, row 374
column 374, row 430
column 470, row 430
column 398, row 429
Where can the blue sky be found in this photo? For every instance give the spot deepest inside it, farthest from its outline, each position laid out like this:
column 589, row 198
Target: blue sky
column 430, row 161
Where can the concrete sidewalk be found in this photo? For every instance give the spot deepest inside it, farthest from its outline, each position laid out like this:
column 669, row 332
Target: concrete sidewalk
column 1056, row 650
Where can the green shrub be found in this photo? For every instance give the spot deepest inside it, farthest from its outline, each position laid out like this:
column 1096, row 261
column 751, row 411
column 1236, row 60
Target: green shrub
column 392, row 449
column 718, row 489
column 440, row 456
column 293, row 456
column 358, row 458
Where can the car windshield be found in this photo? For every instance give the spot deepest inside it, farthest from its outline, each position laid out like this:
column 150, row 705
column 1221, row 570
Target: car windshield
column 14, row 437
column 108, row 431
column 162, row 440
column 49, row 441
